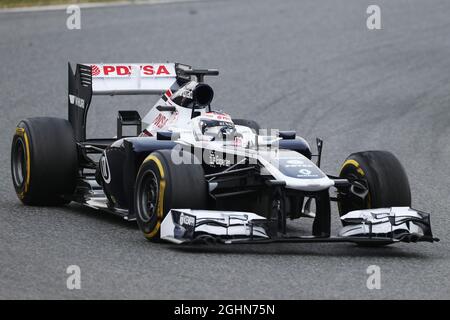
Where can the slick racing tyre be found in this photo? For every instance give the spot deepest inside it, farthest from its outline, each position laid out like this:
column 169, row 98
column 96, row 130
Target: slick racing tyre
column 44, row 161
column 248, row 123
column 162, row 185
column 384, row 176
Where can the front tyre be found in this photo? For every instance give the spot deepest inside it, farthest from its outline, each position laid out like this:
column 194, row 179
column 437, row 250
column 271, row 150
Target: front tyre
column 162, row 185
column 384, row 176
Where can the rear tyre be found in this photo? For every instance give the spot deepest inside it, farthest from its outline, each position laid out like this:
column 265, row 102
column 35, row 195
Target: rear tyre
column 162, row 185
column 44, row 161
column 248, row 123
column 383, row 174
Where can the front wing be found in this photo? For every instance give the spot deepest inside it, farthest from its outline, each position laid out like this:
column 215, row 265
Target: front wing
column 370, row 226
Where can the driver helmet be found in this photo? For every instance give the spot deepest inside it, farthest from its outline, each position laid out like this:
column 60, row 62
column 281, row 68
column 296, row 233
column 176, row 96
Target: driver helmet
column 213, row 126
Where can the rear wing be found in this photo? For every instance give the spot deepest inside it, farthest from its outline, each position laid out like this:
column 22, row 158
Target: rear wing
column 117, row 79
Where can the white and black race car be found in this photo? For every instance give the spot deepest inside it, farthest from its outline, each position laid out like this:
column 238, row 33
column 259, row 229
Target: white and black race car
column 192, row 174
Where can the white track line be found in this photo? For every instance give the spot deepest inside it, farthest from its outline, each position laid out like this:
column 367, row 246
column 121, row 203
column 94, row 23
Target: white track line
column 91, row 5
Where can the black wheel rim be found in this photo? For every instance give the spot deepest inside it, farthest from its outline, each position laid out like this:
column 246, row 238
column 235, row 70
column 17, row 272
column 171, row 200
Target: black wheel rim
column 148, row 195
column 19, row 163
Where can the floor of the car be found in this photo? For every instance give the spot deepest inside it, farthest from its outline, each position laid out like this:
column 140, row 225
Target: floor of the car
column 100, row 143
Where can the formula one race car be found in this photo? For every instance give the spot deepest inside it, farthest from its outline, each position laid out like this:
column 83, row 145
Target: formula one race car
column 191, row 174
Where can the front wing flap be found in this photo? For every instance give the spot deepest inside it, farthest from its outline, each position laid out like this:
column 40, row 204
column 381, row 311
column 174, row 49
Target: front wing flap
column 400, row 223
column 186, row 225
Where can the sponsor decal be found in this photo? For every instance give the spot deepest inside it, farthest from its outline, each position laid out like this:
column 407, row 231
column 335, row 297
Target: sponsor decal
column 238, row 141
column 298, row 163
column 104, row 169
column 160, row 121
column 304, row 172
column 76, row 101
column 184, row 225
column 218, row 160
column 218, row 116
column 145, row 133
column 300, row 168
column 95, row 70
column 173, row 118
column 118, row 70
column 294, row 161
column 187, row 220
column 187, row 94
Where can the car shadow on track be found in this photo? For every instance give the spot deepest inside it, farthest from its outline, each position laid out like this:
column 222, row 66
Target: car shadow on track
column 303, row 249
column 273, row 249
column 98, row 215
column 399, row 250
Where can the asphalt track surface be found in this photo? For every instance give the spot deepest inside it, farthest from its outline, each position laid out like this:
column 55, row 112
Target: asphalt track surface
column 312, row 66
